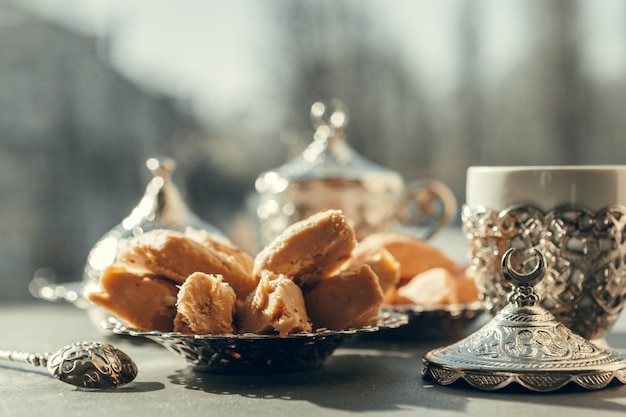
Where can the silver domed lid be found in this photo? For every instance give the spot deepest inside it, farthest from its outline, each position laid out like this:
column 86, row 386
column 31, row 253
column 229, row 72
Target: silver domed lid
column 328, row 174
column 161, row 207
column 525, row 344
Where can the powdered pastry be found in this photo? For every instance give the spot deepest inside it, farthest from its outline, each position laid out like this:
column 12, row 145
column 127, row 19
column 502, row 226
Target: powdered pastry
column 230, row 252
column 309, row 250
column 176, row 256
column 384, row 265
column 432, row 287
column 276, row 305
column 414, row 255
column 141, row 299
column 206, row 305
column 350, row 299
column 467, row 290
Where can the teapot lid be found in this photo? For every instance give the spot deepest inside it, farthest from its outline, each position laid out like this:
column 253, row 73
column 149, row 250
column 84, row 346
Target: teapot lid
column 328, row 157
column 161, row 207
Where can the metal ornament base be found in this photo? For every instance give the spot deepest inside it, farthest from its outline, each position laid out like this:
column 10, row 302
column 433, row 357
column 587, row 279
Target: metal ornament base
column 524, row 343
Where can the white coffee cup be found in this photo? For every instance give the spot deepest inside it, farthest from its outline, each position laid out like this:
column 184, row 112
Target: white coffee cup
column 546, row 187
column 575, row 215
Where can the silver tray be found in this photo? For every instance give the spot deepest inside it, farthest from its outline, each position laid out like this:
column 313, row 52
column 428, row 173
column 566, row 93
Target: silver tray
column 438, row 322
column 254, row 353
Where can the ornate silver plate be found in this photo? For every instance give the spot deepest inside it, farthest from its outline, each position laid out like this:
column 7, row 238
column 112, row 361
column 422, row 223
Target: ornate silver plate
column 434, row 322
column 253, row 353
column 524, row 343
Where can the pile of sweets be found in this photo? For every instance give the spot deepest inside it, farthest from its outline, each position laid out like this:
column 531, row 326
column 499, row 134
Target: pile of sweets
column 314, row 275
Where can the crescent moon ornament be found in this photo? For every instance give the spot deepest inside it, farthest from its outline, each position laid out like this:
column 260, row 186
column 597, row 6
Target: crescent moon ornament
column 524, row 344
column 517, row 279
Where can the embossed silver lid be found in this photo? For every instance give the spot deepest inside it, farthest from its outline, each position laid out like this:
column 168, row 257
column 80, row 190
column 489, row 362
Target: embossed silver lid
column 329, row 173
column 524, row 343
column 161, row 207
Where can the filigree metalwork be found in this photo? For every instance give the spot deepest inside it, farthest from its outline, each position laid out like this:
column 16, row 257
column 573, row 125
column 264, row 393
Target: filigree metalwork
column 254, row 353
column 524, row 343
column 85, row 364
column 440, row 322
column 585, row 283
column 531, row 349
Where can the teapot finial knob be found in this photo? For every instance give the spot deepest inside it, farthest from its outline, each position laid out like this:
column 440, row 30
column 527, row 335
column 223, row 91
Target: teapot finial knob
column 161, row 166
column 330, row 117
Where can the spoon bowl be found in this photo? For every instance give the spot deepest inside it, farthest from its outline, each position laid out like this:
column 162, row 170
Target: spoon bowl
column 90, row 365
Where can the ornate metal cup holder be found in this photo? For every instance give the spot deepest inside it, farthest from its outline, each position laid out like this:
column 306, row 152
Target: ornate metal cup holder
column 524, row 343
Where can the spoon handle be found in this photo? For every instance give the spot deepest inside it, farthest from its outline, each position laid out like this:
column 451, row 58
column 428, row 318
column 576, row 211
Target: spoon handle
column 36, row 359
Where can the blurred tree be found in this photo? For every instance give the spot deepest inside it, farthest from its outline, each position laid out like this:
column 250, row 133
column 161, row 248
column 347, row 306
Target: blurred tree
column 542, row 112
column 74, row 140
column 566, row 102
column 469, row 92
column 332, row 49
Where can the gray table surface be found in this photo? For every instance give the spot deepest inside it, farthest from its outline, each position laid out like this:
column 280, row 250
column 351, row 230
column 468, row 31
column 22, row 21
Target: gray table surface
column 367, row 375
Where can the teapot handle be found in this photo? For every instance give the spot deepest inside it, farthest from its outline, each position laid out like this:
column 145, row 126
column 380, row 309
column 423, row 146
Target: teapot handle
column 427, row 204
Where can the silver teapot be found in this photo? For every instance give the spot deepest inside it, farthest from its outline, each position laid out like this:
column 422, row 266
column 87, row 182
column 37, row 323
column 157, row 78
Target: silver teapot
column 329, row 174
column 160, row 207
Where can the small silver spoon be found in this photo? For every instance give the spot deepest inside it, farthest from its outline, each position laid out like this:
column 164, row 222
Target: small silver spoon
column 91, row 365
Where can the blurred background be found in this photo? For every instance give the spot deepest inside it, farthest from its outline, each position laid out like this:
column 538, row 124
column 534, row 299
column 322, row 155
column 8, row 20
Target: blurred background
column 89, row 89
